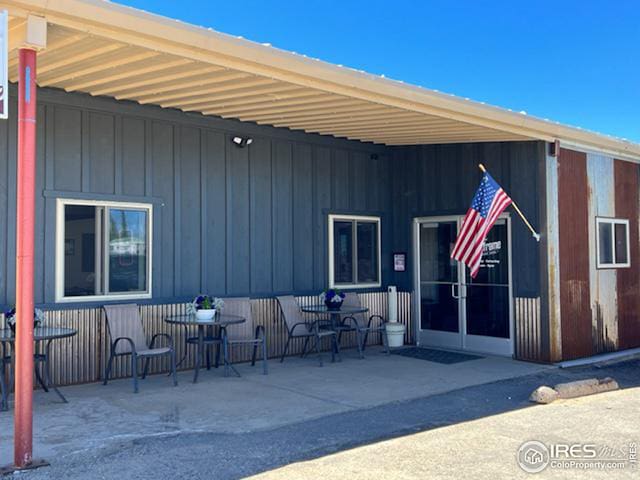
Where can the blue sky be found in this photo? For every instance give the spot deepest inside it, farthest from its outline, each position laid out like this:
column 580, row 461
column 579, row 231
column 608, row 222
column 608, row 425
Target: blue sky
column 576, row 62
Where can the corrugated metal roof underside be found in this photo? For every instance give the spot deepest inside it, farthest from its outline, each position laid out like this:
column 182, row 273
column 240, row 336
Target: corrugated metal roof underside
column 80, row 62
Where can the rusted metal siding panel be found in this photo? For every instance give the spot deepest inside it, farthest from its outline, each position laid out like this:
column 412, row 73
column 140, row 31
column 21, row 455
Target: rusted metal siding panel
column 575, row 299
column 528, row 329
column 627, row 205
column 602, row 282
column 81, row 359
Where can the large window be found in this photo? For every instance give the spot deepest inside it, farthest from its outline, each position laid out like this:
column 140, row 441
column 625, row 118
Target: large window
column 612, row 238
column 103, row 250
column 354, row 251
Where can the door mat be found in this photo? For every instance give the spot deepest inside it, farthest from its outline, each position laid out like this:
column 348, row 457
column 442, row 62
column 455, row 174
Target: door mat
column 437, row 356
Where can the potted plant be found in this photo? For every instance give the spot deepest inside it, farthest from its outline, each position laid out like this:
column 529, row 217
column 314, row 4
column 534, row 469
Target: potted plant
column 204, row 307
column 10, row 318
column 333, row 298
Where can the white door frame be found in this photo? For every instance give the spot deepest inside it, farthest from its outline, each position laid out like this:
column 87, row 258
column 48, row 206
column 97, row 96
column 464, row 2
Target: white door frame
column 452, row 340
column 462, row 340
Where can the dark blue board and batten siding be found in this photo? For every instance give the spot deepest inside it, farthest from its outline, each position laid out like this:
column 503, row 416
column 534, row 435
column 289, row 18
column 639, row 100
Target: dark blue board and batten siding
column 227, row 221
column 250, row 221
column 434, row 180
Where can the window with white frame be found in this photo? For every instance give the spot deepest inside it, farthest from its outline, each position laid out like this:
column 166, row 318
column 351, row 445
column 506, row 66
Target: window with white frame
column 612, row 238
column 354, row 251
column 103, row 250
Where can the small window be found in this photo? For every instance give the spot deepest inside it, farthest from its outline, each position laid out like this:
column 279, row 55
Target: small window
column 103, row 250
column 354, row 251
column 612, row 243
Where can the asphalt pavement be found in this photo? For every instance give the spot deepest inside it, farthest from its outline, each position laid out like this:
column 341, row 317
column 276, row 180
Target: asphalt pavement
column 238, row 455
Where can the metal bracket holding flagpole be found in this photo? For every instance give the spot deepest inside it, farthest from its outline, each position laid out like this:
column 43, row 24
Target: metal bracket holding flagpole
column 535, row 234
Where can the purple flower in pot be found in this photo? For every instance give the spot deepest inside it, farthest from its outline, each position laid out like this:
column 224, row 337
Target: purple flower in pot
column 333, row 298
column 10, row 318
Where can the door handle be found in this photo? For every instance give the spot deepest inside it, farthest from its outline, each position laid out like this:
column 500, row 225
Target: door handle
column 461, row 289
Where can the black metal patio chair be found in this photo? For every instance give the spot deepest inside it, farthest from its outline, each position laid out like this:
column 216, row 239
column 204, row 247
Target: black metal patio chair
column 247, row 333
column 357, row 323
column 128, row 338
column 297, row 327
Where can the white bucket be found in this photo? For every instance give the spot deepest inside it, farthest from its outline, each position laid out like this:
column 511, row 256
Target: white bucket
column 395, row 334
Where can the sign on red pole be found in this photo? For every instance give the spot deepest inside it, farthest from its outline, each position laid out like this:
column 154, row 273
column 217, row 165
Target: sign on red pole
column 4, row 68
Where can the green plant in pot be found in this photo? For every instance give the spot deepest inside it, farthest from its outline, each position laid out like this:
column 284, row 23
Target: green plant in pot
column 204, row 307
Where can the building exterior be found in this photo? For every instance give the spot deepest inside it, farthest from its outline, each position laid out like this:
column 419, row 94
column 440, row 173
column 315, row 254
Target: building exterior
column 149, row 191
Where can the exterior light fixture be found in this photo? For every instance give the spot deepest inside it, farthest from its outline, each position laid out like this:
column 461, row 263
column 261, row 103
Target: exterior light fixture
column 242, row 142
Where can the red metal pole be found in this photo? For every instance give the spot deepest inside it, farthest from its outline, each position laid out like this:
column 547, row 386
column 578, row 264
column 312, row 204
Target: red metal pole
column 23, row 434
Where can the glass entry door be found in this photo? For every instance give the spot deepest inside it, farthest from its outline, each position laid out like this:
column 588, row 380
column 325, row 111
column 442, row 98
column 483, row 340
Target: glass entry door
column 439, row 285
column 456, row 311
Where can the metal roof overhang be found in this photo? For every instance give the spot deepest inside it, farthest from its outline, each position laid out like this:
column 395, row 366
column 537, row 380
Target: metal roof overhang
column 101, row 48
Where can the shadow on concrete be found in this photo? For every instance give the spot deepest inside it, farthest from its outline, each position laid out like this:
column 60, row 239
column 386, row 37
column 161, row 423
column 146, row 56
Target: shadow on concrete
column 237, row 455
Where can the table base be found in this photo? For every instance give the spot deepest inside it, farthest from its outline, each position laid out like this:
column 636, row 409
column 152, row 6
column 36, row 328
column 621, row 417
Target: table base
column 40, row 359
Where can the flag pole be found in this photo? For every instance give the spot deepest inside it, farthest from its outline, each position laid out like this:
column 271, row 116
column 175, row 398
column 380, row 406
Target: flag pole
column 535, row 234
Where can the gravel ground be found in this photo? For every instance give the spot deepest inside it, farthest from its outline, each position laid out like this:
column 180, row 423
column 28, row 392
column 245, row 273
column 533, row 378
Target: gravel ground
column 230, row 456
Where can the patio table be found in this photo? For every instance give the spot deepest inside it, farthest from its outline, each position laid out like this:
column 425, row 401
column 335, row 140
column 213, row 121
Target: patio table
column 334, row 315
column 43, row 337
column 220, row 322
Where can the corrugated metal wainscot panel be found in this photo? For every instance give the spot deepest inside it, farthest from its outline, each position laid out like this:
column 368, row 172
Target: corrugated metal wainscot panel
column 528, row 336
column 81, row 359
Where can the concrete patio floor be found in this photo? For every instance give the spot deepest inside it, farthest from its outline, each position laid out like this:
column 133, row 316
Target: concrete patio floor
column 295, row 391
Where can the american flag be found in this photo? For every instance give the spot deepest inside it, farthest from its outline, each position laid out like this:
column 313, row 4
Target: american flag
column 488, row 203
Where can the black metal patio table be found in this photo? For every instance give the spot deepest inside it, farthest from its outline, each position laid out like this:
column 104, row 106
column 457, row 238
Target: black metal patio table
column 219, row 322
column 334, row 315
column 43, row 337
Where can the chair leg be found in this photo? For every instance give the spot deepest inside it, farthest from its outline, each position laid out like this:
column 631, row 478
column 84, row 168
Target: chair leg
column 334, row 340
column 359, row 340
column 107, row 371
column 335, row 351
column 174, row 368
column 134, row 371
column 146, row 367
column 286, row 348
column 4, row 389
column 304, row 348
column 318, row 350
column 47, row 377
column 225, row 347
column 217, row 355
column 12, row 377
column 39, row 377
column 255, row 352
column 364, row 341
column 264, row 356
